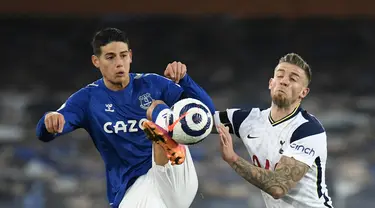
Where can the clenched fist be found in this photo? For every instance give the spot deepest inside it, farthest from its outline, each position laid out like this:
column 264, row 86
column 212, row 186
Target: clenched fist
column 54, row 122
column 175, row 71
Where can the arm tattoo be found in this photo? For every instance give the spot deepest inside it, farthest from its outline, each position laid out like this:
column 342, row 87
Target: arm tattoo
column 276, row 183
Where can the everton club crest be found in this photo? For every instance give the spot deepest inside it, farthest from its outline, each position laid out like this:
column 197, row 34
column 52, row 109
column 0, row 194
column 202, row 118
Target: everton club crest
column 145, row 100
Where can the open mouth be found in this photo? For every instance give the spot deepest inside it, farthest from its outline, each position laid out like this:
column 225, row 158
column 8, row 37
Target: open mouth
column 120, row 73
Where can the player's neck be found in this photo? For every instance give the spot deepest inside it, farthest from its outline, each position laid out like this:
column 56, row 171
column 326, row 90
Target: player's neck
column 278, row 113
column 116, row 86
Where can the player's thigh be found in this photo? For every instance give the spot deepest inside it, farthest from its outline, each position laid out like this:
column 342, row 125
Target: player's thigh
column 143, row 194
column 177, row 184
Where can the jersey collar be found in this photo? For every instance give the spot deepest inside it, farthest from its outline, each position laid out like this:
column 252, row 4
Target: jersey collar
column 287, row 117
column 127, row 89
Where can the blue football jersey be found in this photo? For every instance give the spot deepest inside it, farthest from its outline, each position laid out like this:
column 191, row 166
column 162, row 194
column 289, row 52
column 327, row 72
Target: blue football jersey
column 113, row 120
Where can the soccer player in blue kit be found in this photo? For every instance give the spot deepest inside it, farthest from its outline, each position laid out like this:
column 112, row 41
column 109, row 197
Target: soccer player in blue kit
column 124, row 113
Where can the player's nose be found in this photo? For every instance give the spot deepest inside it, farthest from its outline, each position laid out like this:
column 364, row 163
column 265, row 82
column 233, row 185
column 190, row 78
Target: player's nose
column 284, row 81
column 284, row 84
column 119, row 63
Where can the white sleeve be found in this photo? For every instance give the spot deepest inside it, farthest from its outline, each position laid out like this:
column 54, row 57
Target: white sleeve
column 306, row 150
column 232, row 118
column 308, row 142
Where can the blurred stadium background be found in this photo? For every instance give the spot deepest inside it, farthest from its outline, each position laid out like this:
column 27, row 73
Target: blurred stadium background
column 230, row 48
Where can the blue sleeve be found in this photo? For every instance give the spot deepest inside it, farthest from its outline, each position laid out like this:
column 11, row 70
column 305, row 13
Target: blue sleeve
column 193, row 90
column 170, row 91
column 73, row 111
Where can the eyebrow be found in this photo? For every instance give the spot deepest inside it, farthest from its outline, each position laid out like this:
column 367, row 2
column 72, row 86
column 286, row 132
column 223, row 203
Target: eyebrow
column 293, row 73
column 112, row 53
column 109, row 53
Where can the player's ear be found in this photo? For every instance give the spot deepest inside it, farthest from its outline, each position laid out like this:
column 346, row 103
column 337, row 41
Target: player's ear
column 95, row 61
column 270, row 83
column 305, row 92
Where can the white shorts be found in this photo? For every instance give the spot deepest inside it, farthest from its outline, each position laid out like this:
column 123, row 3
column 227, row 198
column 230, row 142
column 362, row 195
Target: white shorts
column 164, row 186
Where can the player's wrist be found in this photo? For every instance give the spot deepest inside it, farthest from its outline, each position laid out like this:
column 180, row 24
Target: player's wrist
column 184, row 78
column 158, row 109
column 232, row 159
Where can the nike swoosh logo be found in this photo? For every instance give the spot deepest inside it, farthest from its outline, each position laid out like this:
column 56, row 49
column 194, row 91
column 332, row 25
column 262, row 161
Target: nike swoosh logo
column 251, row 137
column 170, row 127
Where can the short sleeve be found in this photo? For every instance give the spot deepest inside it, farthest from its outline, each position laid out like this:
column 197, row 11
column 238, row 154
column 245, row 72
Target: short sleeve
column 233, row 118
column 307, row 143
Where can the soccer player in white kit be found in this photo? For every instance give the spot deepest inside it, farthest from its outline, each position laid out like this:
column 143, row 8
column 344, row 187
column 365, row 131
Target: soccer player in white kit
column 287, row 145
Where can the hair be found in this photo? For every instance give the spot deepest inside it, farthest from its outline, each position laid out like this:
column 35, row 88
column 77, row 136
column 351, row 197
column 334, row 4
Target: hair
column 295, row 59
column 106, row 36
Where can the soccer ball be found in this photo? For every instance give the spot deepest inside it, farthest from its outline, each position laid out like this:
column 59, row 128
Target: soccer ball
column 189, row 121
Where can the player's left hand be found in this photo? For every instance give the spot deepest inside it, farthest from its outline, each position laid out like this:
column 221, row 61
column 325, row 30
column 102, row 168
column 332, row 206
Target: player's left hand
column 175, row 71
column 226, row 144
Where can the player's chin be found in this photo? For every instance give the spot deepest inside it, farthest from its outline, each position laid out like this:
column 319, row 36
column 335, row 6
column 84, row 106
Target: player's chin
column 119, row 78
column 280, row 100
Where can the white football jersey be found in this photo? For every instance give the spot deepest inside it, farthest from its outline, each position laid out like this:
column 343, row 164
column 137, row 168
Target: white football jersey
column 299, row 135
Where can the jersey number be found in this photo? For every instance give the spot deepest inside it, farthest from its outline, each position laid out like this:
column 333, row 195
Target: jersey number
column 257, row 163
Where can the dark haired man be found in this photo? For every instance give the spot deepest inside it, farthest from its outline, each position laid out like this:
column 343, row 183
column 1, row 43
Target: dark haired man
column 117, row 110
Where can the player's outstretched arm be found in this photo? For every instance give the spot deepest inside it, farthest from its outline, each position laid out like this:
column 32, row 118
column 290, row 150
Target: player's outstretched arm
column 221, row 117
column 176, row 71
column 70, row 116
column 276, row 183
column 231, row 118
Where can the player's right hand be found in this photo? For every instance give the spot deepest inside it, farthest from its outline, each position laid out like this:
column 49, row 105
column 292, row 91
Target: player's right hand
column 54, row 122
column 226, row 144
